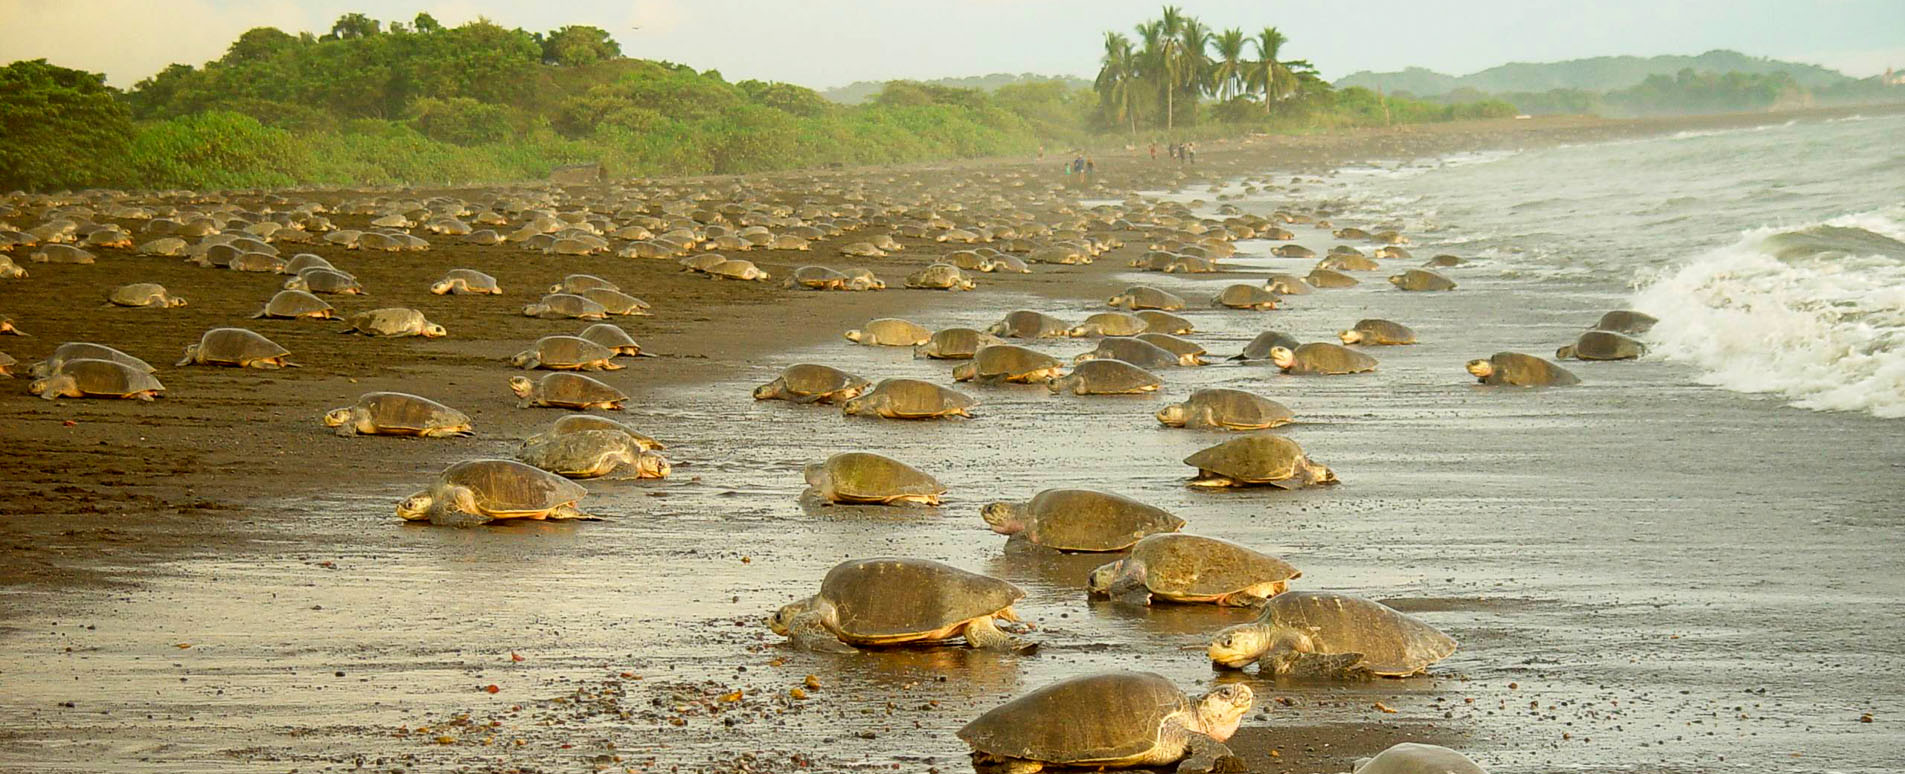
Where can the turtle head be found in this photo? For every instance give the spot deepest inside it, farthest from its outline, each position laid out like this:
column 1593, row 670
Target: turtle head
column 1564, row 352
column 535, row 310
column 434, row 331
column 415, row 507
column 522, row 386
column 1081, row 331
column 557, row 288
column 1317, row 472
column 1237, row 646
column 441, row 287
column 296, row 283
column 1482, row 369
column 652, row 466
column 38, row 387
column 337, row 417
column 1219, row 712
column 765, row 391
column 1004, row 518
column 854, row 406
column 1284, row 357
column 1396, row 280
column 1173, row 415
column 782, row 621
column 965, row 371
column 855, row 335
column 174, row 302
column 1101, row 580
column 1351, row 336
column 521, row 359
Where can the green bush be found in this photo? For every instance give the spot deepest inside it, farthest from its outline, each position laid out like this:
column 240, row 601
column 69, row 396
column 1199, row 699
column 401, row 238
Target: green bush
column 59, row 128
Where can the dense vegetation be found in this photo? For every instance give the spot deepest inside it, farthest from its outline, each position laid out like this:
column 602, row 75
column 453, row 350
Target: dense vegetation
column 1595, row 74
column 1159, row 81
column 861, row 91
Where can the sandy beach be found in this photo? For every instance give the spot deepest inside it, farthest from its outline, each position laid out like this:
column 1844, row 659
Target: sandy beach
column 1644, row 573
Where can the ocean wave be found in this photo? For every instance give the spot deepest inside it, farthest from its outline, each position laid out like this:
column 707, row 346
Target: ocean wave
column 1813, row 314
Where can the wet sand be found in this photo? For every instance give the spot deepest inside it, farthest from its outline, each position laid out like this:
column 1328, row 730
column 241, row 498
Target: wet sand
column 1644, row 574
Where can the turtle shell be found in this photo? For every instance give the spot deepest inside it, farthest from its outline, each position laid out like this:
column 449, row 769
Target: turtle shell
column 295, row 303
column 1244, row 296
column 809, row 379
column 1255, row 459
column 139, row 294
column 816, row 277
column 1158, row 321
column 1008, row 361
column 556, row 352
column 1111, row 716
column 955, row 344
column 1112, row 324
column 1181, row 566
column 1183, row 348
column 1392, row 643
column 402, row 411
column 324, row 281
column 1517, row 369
column 576, row 423
column 893, row 598
column 1607, row 345
column 1108, row 377
column 913, row 398
column 507, row 488
column 1091, row 520
column 106, row 377
column 236, row 346
column 75, row 350
column 556, row 306
column 1422, row 279
column 578, row 454
column 1626, row 321
column 1145, row 297
column 475, row 280
column 1330, row 278
column 1322, row 357
column 894, row 332
column 615, row 301
column 1384, row 332
column 869, row 477
column 563, row 388
column 613, row 337
column 1134, row 351
column 1288, row 285
column 388, row 321
column 1027, row 324
column 1239, row 410
column 1414, row 758
column 1259, row 347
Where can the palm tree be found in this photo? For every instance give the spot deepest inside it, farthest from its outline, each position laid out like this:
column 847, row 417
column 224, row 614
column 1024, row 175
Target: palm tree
column 1227, row 71
column 1194, row 64
column 1170, row 54
column 1270, row 73
column 1117, row 79
column 1151, row 54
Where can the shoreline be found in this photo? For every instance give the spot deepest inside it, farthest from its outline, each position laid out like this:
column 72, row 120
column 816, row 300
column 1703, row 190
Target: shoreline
column 262, row 482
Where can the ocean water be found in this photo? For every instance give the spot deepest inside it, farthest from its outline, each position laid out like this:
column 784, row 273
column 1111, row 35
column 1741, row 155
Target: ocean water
column 1773, row 256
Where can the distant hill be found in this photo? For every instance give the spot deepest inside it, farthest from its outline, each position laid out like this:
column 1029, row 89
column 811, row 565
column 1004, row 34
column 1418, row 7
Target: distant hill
column 861, row 91
column 1601, row 73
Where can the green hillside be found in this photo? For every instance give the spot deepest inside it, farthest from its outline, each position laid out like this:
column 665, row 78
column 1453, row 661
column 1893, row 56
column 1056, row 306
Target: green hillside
column 1604, row 73
column 861, row 91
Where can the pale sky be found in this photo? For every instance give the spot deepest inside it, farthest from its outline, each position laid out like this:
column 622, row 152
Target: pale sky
column 825, row 43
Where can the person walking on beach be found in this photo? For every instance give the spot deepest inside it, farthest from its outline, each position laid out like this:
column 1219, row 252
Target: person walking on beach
column 1091, row 169
column 1154, row 150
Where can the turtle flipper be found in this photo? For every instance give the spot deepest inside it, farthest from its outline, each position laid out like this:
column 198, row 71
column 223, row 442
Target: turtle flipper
column 984, row 634
column 1326, row 665
column 808, row 633
column 1130, row 590
column 1209, row 756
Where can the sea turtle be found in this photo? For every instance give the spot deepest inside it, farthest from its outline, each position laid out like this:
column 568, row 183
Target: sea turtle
column 613, row 337
column 1443, row 262
column 559, row 306
column 575, row 284
column 1414, row 758
column 1321, row 357
column 1109, row 324
column 1349, row 262
column 1076, row 520
column 324, row 281
column 1131, row 350
column 955, row 344
column 164, row 247
column 940, row 276
column 863, row 279
column 260, row 263
column 593, row 454
column 888, row 601
column 566, row 353
column 476, row 492
column 398, row 413
column 1330, row 279
column 236, row 347
column 1288, row 285
column 295, row 304
column 1189, row 353
column 302, row 261
column 1244, row 296
column 1006, row 263
column 1271, row 460
column 1109, row 720
column 1292, row 251
column 391, row 322
column 1326, row 634
column 1027, row 324
column 576, row 423
column 1378, row 332
column 1602, row 345
column 811, row 383
column 702, row 262
column 466, row 282
column 60, row 253
column 1421, row 279
column 868, row 478
column 1179, row 567
column 9, row 269
column 1008, row 363
column 564, row 389
column 1144, row 297
column 1392, row 253
column 1189, row 264
column 1349, row 232
column 1107, row 377
column 145, row 294
column 909, row 399
column 737, row 269
column 75, row 350
column 616, row 302
column 816, row 278
column 1626, row 321
column 1260, row 347
column 90, row 378
column 862, row 250
column 1226, row 409
column 890, row 332
column 1519, row 370
column 7, row 365
column 1158, row 321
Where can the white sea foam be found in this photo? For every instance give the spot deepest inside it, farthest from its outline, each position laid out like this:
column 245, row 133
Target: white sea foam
column 1814, row 314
